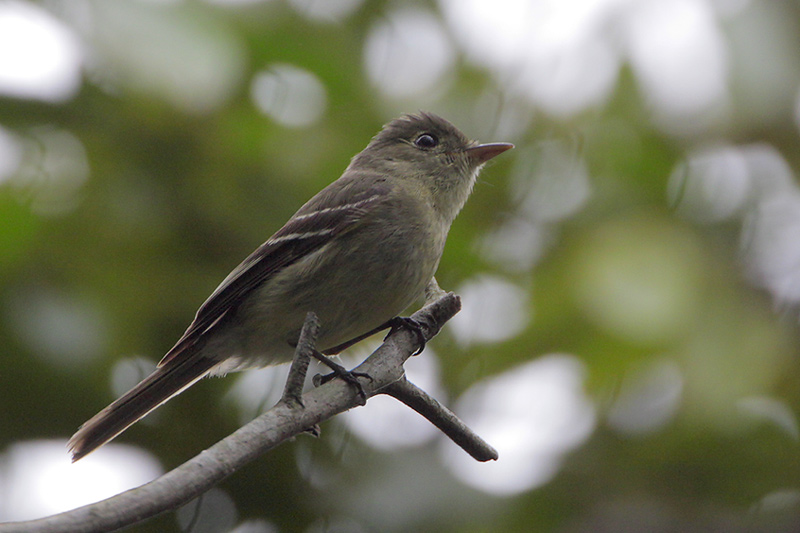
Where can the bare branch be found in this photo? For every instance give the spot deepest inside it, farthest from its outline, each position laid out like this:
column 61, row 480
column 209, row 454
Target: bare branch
column 284, row 421
column 441, row 417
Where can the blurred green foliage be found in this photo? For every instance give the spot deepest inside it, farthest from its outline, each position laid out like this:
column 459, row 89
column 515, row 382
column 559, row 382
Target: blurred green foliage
column 180, row 186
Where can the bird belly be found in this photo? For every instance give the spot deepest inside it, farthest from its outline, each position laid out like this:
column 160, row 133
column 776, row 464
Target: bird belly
column 350, row 289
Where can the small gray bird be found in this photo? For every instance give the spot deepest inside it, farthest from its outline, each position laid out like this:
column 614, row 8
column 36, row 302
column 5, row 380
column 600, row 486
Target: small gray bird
column 357, row 254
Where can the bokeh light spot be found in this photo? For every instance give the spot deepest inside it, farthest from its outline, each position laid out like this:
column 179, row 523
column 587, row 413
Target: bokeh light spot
column 649, row 398
column 63, row 329
column 326, row 10
column 532, row 414
column 772, row 411
column 679, row 56
column 46, row 482
column 53, row 171
column 553, row 53
column 11, row 151
column 193, row 63
column 408, row 54
column 40, row 58
column 493, row 310
column 712, row 185
column 289, row 95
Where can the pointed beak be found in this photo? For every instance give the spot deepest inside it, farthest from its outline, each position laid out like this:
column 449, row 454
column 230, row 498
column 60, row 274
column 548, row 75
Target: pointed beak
column 480, row 154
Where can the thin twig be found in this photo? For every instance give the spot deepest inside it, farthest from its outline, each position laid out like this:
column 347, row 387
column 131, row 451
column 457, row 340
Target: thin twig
column 293, row 390
column 441, row 417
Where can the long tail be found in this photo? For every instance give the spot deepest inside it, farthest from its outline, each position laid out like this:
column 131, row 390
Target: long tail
column 166, row 382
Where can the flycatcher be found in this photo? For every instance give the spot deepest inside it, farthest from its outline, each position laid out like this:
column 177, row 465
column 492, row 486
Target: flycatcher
column 357, row 254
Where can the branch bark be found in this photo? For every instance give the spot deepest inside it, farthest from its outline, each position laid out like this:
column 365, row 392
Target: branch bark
column 293, row 415
column 441, row 417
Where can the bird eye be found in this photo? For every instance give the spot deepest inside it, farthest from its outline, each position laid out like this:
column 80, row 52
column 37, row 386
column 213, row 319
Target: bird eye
column 426, row 140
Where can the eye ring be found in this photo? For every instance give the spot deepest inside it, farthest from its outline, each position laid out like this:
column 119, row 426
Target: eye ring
column 426, row 141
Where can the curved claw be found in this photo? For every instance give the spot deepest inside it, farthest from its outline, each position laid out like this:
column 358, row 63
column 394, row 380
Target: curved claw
column 411, row 324
column 338, row 371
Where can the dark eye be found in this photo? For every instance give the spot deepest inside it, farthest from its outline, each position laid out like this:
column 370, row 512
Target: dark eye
column 426, row 140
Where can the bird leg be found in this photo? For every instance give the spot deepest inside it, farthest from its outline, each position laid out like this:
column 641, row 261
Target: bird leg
column 339, row 371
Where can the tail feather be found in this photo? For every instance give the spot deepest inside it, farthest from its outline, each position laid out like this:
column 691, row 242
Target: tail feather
column 166, row 382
